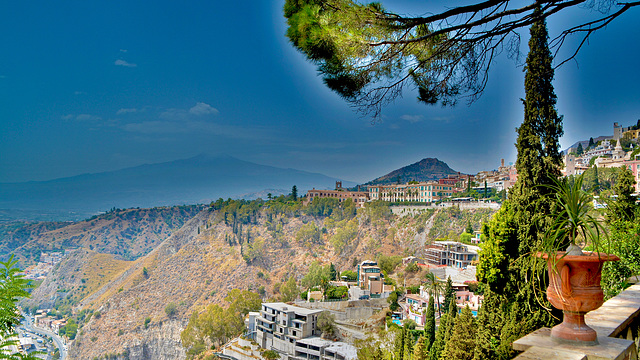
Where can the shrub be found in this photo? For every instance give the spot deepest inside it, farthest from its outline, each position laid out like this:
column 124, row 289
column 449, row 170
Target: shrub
column 412, row 268
column 170, row 309
column 147, row 320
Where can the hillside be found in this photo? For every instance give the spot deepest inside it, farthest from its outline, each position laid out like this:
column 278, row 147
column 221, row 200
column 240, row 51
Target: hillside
column 196, row 180
column 428, row 169
column 127, row 234
column 201, row 262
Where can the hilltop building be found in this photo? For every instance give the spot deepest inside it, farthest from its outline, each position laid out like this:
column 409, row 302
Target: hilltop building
column 619, row 132
column 426, row 192
column 358, row 197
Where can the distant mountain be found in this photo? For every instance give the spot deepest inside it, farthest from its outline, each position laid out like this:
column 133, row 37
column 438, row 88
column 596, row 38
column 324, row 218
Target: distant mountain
column 196, row 180
column 428, row 169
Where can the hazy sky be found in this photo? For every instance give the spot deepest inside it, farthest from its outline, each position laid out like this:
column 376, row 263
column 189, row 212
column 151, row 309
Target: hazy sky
column 92, row 86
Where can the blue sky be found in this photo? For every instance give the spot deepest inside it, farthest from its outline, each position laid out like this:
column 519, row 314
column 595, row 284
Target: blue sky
column 99, row 86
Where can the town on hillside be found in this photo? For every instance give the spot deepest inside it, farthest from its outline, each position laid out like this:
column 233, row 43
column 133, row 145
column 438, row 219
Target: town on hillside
column 622, row 149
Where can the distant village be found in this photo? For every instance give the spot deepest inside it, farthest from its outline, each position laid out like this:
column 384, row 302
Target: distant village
column 606, row 153
column 44, row 266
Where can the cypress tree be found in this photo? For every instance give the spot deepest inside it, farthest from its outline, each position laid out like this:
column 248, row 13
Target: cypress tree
column 580, row 150
column 420, row 352
column 515, row 230
column 453, row 313
column 430, row 324
column 460, row 345
column 490, row 322
column 444, row 330
column 624, row 207
column 449, row 293
column 596, row 185
column 408, row 344
column 398, row 348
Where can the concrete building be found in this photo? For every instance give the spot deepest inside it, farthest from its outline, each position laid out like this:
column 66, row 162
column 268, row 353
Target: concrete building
column 280, row 325
column 292, row 332
column 450, row 253
column 315, row 348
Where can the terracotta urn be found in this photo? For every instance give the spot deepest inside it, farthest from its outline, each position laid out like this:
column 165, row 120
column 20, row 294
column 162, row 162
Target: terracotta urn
column 574, row 288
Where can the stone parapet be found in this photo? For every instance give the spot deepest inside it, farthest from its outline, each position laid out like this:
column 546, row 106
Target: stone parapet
column 617, row 323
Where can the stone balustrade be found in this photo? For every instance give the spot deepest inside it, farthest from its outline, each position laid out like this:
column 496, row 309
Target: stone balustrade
column 617, row 323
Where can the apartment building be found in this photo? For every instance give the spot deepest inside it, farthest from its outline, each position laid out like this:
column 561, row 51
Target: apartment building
column 292, row 331
column 450, row 253
column 431, row 191
column 279, row 325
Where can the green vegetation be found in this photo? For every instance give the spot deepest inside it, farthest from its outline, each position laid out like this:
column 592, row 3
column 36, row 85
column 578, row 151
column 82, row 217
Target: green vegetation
column 309, row 234
column 327, row 324
column 289, row 290
column 389, row 263
column 346, row 232
column 624, row 237
column 337, row 292
column 514, row 232
column 317, row 275
column 442, row 222
column 70, row 330
column 171, row 309
column 12, row 287
column 270, row 355
column 350, row 275
column 216, row 324
column 460, row 345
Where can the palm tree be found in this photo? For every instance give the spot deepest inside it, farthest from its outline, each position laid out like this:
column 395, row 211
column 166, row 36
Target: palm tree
column 435, row 288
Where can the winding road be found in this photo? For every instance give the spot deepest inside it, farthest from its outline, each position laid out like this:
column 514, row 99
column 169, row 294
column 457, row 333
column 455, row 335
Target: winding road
column 28, row 324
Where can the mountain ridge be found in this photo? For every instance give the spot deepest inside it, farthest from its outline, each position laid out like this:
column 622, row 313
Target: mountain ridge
column 427, row 169
column 196, row 180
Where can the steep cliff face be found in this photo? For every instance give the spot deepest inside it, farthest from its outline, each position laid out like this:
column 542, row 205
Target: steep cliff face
column 200, row 263
column 159, row 341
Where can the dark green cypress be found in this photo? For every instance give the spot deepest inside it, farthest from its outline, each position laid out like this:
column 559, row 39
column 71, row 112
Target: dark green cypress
column 449, row 293
column 460, row 345
column 624, row 207
column 490, row 323
column 515, row 231
column 430, row 324
column 408, row 344
column 444, row 331
column 398, row 349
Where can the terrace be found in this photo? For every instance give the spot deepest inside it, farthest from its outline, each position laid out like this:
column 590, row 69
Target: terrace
column 617, row 323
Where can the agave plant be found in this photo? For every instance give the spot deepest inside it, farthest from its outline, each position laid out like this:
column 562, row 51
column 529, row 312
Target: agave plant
column 573, row 223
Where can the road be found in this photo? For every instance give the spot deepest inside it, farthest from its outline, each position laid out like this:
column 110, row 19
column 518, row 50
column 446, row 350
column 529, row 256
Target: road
column 28, row 324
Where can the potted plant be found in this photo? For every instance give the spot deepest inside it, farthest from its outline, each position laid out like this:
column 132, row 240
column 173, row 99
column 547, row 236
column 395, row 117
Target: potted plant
column 574, row 274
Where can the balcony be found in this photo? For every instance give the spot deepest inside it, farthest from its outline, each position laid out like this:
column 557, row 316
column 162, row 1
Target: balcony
column 617, row 323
